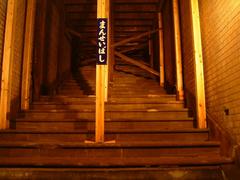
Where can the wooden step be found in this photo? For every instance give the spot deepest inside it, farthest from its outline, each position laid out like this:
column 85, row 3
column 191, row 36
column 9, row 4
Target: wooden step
column 119, row 135
column 197, row 172
column 125, row 115
column 163, row 99
column 108, row 150
column 109, row 106
column 68, row 124
column 112, row 162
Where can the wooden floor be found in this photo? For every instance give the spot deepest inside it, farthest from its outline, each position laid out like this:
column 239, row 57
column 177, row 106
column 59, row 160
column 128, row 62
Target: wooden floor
column 147, row 128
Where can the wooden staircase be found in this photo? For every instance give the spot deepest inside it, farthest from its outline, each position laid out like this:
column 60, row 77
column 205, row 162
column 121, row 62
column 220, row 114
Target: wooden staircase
column 145, row 128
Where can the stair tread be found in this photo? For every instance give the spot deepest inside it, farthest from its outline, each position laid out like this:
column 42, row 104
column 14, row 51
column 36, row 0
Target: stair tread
column 112, row 161
column 149, row 110
column 19, row 120
column 143, row 144
column 194, row 130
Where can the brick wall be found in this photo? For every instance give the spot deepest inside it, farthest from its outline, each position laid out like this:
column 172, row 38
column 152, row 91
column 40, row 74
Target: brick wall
column 221, row 53
column 187, row 53
column 3, row 10
column 18, row 39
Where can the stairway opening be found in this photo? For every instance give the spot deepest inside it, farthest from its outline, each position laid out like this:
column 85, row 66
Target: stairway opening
column 148, row 125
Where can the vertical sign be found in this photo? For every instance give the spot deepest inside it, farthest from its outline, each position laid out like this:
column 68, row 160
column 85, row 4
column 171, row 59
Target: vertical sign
column 102, row 41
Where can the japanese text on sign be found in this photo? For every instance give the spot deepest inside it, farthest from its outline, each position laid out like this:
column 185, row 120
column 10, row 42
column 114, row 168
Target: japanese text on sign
column 102, row 41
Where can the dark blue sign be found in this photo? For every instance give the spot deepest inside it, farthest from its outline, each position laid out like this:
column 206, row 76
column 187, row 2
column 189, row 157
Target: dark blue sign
column 102, row 41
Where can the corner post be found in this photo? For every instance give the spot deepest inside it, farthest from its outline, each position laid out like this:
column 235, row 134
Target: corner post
column 199, row 69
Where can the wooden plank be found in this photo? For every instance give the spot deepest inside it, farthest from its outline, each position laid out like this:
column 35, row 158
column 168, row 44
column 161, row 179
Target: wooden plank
column 28, row 54
column 178, row 51
column 139, row 36
column 161, row 50
column 199, row 69
column 136, row 63
column 7, row 66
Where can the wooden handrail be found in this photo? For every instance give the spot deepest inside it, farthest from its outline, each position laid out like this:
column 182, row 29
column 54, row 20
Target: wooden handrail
column 133, row 48
column 75, row 33
column 136, row 63
column 135, row 38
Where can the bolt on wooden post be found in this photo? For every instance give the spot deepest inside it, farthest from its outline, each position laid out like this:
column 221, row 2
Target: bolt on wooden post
column 101, row 74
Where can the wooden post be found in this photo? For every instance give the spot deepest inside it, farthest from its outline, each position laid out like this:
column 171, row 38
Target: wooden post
column 100, row 83
column 161, row 50
column 199, row 71
column 106, row 67
column 28, row 54
column 40, row 48
column 7, row 66
column 178, row 53
column 150, row 50
column 111, row 61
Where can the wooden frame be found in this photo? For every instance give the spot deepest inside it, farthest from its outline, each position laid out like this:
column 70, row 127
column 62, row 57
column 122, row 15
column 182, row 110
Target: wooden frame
column 136, row 63
column 139, row 36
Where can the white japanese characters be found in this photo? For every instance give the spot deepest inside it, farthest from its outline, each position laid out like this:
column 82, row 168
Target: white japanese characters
column 102, row 41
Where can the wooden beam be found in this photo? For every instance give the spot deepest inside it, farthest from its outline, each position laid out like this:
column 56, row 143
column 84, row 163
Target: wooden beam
column 106, row 67
column 75, row 33
column 100, row 83
column 112, row 38
column 199, row 69
column 7, row 66
column 150, row 51
column 136, row 63
column 129, row 49
column 139, row 36
column 161, row 50
column 178, row 51
column 28, row 54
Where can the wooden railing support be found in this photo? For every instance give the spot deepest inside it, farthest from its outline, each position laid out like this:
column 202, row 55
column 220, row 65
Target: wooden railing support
column 161, row 50
column 151, row 51
column 178, row 52
column 199, row 70
column 136, row 63
column 28, row 54
column 139, row 36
